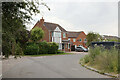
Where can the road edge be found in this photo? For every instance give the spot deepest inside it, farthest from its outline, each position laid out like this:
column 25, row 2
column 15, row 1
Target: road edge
column 98, row 71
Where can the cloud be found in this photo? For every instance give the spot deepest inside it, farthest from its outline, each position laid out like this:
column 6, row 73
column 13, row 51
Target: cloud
column 79, row 15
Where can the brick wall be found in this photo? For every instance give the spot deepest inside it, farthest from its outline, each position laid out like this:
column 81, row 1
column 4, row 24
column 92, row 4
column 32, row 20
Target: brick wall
column 81, row 36
column 46, row 32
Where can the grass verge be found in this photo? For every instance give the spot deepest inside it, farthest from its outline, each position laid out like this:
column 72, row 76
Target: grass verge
column 48, row 54
column 103, row 60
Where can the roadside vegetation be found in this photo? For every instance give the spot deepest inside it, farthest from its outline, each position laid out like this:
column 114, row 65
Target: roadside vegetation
column 15, row 16
column 41, row 48
column 105, row 60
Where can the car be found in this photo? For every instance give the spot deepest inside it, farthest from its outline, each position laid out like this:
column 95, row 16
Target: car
column 81, row 49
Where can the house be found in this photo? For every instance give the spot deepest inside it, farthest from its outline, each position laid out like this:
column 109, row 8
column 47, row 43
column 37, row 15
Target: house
column 66, row 40
column 54, row 33
column 107, row 37
column 77, row 39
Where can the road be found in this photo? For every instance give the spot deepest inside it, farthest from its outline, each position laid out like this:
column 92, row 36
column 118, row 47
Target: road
column 59, row 66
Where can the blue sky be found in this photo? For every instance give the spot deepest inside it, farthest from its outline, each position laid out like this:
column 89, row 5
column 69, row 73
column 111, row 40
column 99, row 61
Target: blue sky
column 78, row 15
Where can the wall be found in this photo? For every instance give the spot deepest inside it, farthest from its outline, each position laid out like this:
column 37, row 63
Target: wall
column 46, row 32
column 82, row 36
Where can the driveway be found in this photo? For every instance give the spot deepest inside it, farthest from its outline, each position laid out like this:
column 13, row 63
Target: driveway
column 59, row 66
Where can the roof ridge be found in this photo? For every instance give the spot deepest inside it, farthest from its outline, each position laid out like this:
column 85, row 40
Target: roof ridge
column 75, row 31
column 53, row 26
column 51, row 23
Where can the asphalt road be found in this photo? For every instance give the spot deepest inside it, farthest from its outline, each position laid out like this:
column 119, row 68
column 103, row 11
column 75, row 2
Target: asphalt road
column 59, row 66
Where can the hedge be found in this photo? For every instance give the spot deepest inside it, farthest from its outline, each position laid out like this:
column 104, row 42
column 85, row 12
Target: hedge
column 41, row 48
column 31, row 49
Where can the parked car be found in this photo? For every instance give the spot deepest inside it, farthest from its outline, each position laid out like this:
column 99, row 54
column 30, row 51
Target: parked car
column 81, row 49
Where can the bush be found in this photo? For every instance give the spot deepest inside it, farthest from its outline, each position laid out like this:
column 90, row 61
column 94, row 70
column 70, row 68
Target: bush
column 31, row 49
column 41, row 48
column 18, row 50
column 86, row 59
column 103, row 59
column 37, row 34
column 53, row 48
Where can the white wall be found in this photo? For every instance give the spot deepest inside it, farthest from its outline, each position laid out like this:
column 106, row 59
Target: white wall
column 57, row 37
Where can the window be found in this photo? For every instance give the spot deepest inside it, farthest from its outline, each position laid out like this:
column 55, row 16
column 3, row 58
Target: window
column 85, row 39
column 69, row 39
column 64, row 35
column 74, row 40
column 52, row 34
column 68, row 46
column 80, row 40
column 60, row 46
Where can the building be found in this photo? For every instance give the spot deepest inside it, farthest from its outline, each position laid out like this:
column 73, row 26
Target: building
column 77, row 39
column 107, row 37
column 54, row 33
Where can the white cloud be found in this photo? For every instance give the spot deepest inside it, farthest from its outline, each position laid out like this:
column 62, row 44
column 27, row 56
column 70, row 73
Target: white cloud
column 101, row 17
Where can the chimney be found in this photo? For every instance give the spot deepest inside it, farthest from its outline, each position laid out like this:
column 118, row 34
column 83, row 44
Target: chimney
column 41, row 21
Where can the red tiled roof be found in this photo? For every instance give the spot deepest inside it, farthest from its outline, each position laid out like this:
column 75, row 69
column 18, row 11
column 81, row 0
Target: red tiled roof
column 52, row 26
column 73, row 34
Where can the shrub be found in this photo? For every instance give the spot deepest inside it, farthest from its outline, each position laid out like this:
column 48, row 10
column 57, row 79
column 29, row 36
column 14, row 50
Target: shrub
column 105, row 60
column 37, row 34
column 43, row 47
column 86, row 59
column 53, row 48
column 18, row 50
column 31, row 49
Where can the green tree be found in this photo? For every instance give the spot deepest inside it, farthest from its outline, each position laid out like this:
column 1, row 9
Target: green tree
column 91, row 36
column 14, row 17
column 37, row 34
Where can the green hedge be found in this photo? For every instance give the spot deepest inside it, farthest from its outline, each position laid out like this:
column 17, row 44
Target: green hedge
column 31, row 49
column 41, row 48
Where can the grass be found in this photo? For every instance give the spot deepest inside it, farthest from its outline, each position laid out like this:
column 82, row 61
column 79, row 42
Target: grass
column 48, row 54
column 105, row 60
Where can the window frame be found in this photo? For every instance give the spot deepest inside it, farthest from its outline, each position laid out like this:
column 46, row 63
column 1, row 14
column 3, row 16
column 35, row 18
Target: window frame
column 69, row 39
column 74, row 40
column 64, row 35
column 80, row 40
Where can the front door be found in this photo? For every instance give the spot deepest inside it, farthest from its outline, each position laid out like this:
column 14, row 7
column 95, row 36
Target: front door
column 73, row 48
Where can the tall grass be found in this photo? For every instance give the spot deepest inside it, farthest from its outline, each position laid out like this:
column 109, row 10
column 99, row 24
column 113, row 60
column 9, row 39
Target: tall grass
column 103, row 59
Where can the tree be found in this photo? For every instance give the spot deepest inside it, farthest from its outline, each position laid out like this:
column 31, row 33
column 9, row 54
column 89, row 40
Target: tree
column 91, row 36
column 37, row 34
column 14, row 17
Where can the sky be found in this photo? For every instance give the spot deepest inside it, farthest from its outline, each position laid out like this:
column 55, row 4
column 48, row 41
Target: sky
column 98, row 16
